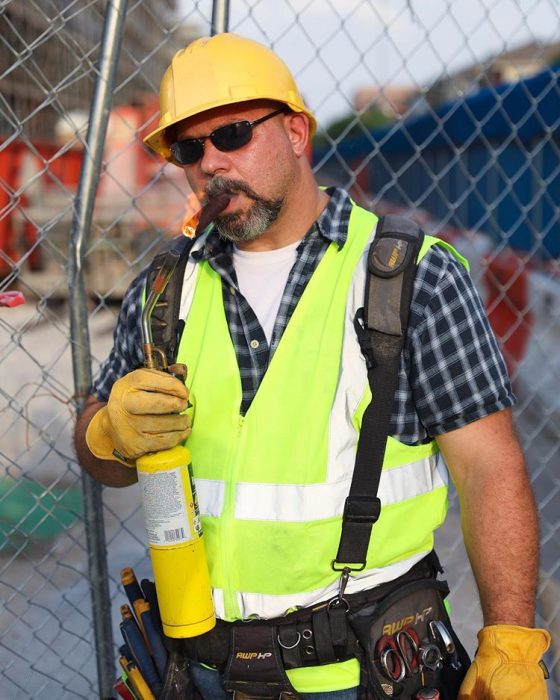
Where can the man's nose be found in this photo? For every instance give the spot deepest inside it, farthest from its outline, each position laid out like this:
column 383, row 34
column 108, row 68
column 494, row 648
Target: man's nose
column 213, row 160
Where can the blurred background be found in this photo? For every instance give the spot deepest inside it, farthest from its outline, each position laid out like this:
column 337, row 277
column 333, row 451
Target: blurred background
column 445, row 111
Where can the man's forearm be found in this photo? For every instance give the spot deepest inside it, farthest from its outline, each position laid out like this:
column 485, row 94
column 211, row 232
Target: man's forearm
column 498, row 517
column 501, row 537
column 110, row 473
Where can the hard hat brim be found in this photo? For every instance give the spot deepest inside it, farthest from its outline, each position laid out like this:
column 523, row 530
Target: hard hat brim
column 157, row 141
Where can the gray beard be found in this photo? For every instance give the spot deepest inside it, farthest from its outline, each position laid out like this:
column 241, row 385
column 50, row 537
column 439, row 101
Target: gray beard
column 262, row 213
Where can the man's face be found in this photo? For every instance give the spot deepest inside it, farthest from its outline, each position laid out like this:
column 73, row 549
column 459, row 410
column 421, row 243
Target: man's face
column 257, row 175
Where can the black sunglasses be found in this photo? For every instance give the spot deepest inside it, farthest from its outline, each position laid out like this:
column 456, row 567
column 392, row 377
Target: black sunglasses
column 227, row 138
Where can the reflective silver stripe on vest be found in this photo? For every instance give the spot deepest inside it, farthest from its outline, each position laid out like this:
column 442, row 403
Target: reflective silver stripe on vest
column 301, row 503
column 276, row 605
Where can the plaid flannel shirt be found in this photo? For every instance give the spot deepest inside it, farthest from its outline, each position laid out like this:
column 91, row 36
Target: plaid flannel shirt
column 451, row 371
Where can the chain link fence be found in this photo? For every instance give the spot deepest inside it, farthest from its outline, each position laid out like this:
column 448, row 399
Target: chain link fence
column 448, row 112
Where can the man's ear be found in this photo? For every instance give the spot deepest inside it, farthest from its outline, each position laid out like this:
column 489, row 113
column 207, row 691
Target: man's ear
column 297, row 128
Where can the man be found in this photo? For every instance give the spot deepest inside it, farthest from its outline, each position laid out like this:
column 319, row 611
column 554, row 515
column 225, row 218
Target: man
column 281, row 386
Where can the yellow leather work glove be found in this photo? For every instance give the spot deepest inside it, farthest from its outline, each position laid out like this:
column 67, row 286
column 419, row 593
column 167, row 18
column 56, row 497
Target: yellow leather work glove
column 142, row 415
column 506, row 665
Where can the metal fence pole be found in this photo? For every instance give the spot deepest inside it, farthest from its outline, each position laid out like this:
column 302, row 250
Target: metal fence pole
column 220, row 16
column 79, row 234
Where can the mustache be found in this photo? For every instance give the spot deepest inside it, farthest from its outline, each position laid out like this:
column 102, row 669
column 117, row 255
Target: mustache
column 224, row 185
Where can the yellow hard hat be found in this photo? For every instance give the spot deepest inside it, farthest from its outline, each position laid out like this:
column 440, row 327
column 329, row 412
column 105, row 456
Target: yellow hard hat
column 221, row 70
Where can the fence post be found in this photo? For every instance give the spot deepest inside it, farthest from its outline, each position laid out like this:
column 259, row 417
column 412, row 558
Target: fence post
column 81, row 223
column 220, row 16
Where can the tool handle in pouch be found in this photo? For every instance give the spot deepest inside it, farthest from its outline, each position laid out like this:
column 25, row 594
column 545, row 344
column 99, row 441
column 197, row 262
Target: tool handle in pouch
column 176, row 543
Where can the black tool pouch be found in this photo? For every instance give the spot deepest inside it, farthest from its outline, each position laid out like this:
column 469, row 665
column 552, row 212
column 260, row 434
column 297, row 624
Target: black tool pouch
column 441, row 662
column 177, row 684
column 255, row 655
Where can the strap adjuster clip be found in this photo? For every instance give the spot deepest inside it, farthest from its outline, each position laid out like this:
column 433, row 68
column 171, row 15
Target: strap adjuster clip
column 362, row 509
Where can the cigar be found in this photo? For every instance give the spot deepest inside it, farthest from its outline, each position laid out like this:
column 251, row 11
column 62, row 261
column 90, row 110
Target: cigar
column 210, row 211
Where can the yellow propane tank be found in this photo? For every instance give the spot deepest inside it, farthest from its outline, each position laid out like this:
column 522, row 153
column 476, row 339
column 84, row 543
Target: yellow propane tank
column 176, row 544
column 171, row 510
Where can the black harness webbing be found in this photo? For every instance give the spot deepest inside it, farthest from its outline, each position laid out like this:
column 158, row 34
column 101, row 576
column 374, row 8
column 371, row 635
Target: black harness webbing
column 166, row 325
column 381, row 328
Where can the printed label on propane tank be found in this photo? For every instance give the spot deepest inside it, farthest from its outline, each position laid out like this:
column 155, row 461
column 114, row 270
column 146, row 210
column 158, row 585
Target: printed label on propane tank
column 165, row 508
column 197, row 525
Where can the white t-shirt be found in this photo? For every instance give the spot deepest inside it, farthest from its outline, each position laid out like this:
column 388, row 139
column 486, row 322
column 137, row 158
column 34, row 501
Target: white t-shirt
column 262, row 277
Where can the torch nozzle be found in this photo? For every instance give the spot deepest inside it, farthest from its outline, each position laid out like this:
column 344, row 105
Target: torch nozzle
column 208, row 213
column 159, row 284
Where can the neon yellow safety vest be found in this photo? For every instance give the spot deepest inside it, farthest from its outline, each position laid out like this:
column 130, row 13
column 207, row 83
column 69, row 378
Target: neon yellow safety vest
column 272, row 484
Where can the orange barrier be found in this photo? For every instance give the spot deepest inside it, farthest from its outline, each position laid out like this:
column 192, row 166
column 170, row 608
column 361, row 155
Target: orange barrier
column 7, row 242
column 57, row 167
column 507, row 280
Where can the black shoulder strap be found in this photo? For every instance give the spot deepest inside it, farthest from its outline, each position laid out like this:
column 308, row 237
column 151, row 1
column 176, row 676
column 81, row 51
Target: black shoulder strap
column 166, row 326
column 381, row 327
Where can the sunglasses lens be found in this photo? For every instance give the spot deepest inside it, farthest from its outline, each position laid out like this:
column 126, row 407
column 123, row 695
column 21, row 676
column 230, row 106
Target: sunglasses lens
column 188, row 151
column 232, row 136
column 227, row 138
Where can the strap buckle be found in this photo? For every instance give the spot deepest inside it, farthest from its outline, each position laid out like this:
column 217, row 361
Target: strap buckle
column 364, row 339
column 339, row 566
column 362, row 509
column 340, row 600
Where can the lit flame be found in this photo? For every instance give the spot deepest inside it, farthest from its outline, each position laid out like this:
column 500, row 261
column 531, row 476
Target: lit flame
column 192, row 215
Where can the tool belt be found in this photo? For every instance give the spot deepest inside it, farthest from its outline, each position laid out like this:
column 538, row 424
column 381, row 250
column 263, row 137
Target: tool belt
column 254, row 655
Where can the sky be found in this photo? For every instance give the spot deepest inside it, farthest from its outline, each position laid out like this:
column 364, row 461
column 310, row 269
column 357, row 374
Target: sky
column 335, row 47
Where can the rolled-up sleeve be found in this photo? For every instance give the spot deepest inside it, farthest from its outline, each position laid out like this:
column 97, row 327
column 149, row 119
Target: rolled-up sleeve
column 452, row 370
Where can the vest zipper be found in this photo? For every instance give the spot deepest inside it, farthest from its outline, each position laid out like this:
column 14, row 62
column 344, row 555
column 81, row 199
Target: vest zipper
column 231, row 602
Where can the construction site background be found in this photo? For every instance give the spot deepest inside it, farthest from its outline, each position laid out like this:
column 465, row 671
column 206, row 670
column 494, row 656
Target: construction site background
column 429, row 147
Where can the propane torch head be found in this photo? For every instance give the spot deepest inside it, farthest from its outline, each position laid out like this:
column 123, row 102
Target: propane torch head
column 207, row 214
